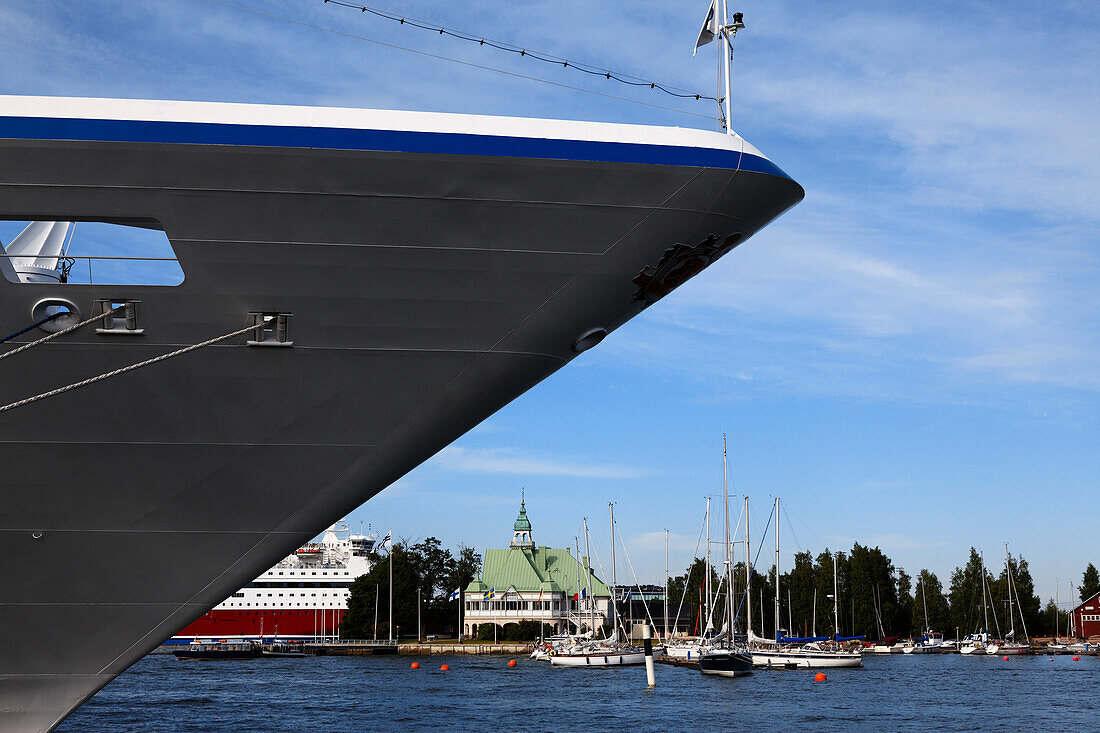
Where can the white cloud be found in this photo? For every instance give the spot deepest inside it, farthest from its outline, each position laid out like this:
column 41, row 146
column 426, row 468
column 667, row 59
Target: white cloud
column 651, row 542
column 517, row 462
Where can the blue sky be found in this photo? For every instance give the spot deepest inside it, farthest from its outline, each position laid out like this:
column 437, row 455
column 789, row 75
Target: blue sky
column 910, row 358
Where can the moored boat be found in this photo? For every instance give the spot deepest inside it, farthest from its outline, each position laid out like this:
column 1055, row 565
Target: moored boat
column 212, row 650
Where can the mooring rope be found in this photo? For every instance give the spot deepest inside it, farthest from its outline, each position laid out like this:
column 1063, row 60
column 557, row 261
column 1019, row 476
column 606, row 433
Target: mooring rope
column 62, row 332
column 123, row 370
column 31, row 327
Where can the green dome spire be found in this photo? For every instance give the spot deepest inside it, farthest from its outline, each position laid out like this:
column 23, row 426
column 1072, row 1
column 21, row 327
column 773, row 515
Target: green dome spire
column 523, row 524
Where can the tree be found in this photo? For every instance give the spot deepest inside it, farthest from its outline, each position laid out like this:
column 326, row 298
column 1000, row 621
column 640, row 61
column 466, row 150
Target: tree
column 930, row 593
column 358, row 622
column 485, row 632
column 870, row 575
column 799, row 584
column 1053, row 621
column 902, row 623
column 688, row 589
column 1024, row 602
column 426, row 572
column 966, row 611
column 1090, row 582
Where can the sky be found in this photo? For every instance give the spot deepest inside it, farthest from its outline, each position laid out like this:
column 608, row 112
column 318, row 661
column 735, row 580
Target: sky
column 910, row 358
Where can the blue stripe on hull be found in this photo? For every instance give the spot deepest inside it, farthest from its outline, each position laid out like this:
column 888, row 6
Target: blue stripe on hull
column 403, row 141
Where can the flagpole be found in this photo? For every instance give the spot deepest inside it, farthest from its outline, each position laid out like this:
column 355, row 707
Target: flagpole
column 724, row 49
column 390, row 535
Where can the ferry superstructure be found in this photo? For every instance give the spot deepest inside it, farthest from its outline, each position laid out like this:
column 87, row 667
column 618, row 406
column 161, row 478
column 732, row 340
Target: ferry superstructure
column 407, row 274
column 303, row 597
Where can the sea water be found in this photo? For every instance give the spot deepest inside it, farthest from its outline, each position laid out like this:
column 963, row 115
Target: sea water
column 338, row 694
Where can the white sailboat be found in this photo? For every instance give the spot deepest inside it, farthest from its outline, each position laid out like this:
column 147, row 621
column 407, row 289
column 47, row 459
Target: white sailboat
column 606, row 652
column 1011, row 646
column 728, row 660
column 695, row 647
column 807, row 655
column 931, row 643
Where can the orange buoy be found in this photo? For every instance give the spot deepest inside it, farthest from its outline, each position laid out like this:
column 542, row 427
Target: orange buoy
column 820, row 677
column 414, row 665
column 444, row 668
column 511, row 662
column 1077, row 659
column 1004, row 659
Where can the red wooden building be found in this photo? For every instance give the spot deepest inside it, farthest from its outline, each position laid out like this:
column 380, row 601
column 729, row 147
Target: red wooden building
column 1086, row 617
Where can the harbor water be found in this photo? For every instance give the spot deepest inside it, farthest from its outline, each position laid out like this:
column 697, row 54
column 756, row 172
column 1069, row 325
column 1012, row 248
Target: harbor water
column 338, row 694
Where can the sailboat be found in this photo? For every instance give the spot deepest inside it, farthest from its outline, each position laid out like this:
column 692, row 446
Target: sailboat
column 1010, row 645
column 979, row 643
column 730, row 661
column 608, row 652
column 693, row 648
column 804, row 653
column 931, row 642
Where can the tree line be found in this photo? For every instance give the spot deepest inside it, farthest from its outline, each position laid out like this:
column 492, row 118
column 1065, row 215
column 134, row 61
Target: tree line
column 425, row 567
column 876, row 599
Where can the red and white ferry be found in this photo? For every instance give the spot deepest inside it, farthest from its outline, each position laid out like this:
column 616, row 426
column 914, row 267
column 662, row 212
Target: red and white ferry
column 302, row 597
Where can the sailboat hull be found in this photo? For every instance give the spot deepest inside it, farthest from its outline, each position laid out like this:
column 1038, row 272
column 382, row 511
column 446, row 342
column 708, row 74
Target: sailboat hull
column 798, row 659
column 610, row 659
column 726, row 664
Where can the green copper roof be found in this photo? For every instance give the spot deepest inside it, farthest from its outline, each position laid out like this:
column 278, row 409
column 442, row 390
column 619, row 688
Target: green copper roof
column 547, row 569
column 523, row 524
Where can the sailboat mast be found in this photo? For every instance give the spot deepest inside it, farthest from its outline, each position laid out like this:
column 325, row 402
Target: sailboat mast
column 614, row 581
column 836, row 604
column 390, row 535
column 577, row 544
column 706, row 580
column 666, row 636
column 924, row 600
column 1011, row 614
column 748, row 577
column 985, row 606
column 815, row 612
column 777, row 569
column 729, row 564
column 588, row 580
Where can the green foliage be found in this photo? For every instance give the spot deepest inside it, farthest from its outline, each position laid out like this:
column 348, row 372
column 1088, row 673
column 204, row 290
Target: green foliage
column 688, row 588
column 1024, row 600
column 966, row 610
column 1053, row 620
column 485, row 632
column 1090, row 582
column 425, row 568
column 929, row 594
column 903, row 617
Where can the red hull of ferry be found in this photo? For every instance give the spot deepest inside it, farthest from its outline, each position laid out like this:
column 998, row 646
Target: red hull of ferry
column 284, row 622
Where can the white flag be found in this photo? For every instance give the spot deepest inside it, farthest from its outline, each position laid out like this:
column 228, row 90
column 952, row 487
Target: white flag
column 384, row 543
column 709, row 30
column 454, row 595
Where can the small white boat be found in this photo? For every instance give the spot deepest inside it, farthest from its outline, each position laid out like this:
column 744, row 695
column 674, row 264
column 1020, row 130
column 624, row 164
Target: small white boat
column 687, row 649
column 609, row 657
column 805, row 658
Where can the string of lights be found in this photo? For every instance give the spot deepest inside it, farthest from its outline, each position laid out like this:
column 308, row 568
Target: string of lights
column 589, row 69
column 470, row 64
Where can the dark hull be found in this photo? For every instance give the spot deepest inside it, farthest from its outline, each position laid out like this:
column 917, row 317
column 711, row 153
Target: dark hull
column 726, row 664
column 430, row 283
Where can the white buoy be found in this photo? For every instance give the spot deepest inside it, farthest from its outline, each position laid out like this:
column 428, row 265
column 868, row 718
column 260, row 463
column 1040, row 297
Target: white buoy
column 647, row 644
